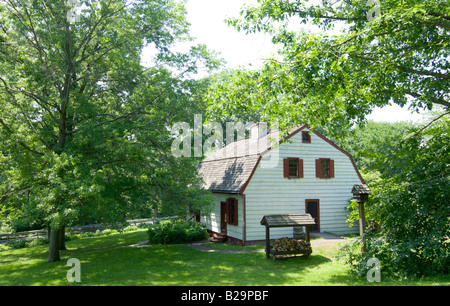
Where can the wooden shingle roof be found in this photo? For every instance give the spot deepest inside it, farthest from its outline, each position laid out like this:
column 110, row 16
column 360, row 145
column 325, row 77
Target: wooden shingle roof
column 360, row 189
column 227, row 175
column 286, row 220
column 229, row 169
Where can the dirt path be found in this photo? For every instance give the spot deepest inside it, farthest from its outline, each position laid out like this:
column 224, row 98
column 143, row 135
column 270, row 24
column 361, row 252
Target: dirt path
column 203, row 245
column 327, row 238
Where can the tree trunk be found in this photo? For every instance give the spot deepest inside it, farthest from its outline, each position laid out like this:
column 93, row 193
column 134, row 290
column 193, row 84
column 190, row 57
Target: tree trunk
column 155, row 210
column 53, row 245
column 62, row 238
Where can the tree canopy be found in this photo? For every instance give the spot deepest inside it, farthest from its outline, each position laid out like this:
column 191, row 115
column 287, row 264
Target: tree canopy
column 386, row 52
column 84, row 126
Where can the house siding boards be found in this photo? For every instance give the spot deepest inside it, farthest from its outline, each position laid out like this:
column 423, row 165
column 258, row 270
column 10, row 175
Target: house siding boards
column 268, row 192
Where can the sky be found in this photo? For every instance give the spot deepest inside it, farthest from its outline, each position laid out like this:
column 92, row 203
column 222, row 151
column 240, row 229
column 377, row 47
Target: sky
column 241, row 50
column 208, row 26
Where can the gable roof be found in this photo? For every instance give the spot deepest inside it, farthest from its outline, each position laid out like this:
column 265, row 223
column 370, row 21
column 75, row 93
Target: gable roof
column 230, row 169
column 228, row 175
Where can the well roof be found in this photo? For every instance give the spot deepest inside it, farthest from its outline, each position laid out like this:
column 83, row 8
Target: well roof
column 360, row 189
column 284, row 220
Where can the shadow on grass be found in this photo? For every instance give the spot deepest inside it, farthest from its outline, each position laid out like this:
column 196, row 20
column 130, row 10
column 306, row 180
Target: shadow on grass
column 182, row 265
column 163, row 265
column 171, row 265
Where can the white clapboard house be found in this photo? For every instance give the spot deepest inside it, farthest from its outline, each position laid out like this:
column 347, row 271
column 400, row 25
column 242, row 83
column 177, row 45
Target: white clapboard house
column 250, row 178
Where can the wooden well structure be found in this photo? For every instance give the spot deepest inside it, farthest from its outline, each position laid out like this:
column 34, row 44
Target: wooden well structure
column 286, row 220
column 361, row 195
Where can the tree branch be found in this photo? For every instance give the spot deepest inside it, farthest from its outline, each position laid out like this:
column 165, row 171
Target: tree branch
column 13, row 192
column 429, row 123
column 436, row 14
column 5, row 125
column 29, row 149
column 436, row 23
column 331, row 17
column 431, row 99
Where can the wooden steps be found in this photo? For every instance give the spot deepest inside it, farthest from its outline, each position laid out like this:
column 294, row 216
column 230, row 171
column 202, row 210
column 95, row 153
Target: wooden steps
column 218, row 238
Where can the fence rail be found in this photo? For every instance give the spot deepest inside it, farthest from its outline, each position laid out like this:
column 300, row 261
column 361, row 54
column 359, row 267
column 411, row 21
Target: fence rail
column 76, row 229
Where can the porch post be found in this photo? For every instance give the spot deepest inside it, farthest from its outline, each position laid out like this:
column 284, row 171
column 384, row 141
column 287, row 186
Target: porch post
column 307, row 232
column 362, row 218
column 362, row 225
column 267, row 242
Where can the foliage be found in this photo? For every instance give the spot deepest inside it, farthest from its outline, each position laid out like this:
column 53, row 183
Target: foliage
column 411, row 204
column 333, row 81
column 83, row 128
column 372, row 143
column 177, row 231
column 23, row 243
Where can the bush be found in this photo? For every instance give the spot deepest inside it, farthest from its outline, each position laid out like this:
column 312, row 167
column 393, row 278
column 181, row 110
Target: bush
column 407, row 258
column 23, row 243
column 410, row 202
column 177, row 231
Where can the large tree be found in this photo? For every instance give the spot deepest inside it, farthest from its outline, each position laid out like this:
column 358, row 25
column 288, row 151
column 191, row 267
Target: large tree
column 83, row 125
column 388, row 51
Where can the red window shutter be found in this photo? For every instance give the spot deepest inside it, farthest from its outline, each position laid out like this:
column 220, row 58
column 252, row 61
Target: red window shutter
column 227, row 211
column 300, row 167
column 286, row 167
column 235, row 212
column 318, row 168
column 331, row 168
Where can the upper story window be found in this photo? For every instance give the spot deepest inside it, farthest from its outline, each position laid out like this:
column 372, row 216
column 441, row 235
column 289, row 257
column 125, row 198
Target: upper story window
column 324, row 168
column 306, row 137
column 293, row 167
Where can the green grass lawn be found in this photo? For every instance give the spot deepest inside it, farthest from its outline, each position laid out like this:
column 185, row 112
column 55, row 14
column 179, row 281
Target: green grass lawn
column 104, row 264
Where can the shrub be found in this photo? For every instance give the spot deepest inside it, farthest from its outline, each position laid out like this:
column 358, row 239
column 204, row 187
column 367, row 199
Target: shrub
column 18, row 244
column 177, row 231
column 410, row 201
column 407, row 258
column 106, row 232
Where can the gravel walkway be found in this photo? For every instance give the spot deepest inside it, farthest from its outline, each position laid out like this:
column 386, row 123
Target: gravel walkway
column 203, row 245
column 327, row 238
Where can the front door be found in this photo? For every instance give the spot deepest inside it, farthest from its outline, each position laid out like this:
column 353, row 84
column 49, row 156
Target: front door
column 223, row 218
column 312, row 208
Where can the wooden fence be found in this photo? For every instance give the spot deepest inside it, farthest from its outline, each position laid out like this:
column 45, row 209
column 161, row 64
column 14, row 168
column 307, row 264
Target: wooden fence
column 76, row 229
